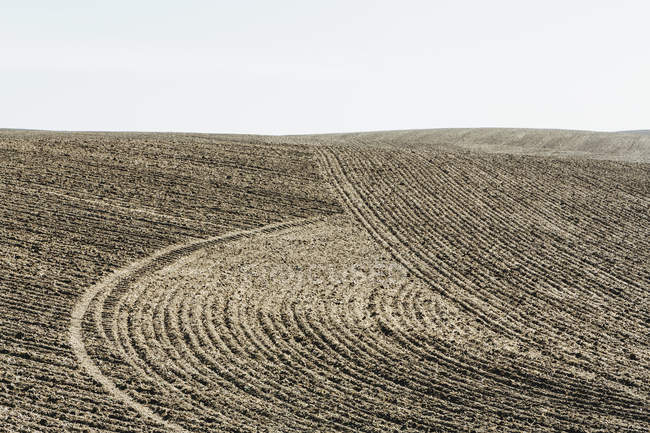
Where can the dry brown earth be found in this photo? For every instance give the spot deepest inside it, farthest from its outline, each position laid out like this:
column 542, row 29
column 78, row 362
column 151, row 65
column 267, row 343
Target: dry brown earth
column 449, row 280
column 75, row 207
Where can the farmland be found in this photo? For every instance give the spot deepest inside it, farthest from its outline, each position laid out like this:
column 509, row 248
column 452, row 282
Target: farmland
column 442, row 280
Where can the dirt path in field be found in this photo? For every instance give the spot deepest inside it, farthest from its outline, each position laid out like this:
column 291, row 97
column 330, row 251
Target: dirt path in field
column 164, row 257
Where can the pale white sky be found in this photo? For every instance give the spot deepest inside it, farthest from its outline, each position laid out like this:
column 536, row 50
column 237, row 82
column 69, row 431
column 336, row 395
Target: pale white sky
column 323, row 66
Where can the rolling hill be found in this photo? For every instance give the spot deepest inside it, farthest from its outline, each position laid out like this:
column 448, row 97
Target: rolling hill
column 427, row 280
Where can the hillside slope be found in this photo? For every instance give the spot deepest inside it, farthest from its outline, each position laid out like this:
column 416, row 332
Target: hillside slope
column 437, row 280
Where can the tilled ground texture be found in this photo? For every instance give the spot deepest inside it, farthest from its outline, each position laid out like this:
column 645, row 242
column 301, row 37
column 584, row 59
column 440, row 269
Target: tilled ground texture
column 74, row 207
column 550, row 258
column 423, row 281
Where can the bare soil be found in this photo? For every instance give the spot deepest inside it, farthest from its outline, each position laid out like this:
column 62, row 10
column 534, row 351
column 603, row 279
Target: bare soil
column 439, row 280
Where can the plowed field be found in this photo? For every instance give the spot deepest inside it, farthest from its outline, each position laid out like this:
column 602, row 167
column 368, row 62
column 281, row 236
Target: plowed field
column 449, row 280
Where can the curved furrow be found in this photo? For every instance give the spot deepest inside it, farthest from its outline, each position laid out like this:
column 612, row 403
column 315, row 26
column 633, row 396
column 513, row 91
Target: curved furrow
column 462, row 292
column 117, row 336
column 445, row 203
column 533, row 322
column 637, row 405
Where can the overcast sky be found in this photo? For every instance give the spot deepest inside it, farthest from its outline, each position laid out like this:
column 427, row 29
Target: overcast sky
column 323, row 66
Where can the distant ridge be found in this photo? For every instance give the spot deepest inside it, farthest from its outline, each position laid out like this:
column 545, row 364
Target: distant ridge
column 637, row 131
column 614, row 146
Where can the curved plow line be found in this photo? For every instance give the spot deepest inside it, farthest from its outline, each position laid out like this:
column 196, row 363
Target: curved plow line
column 164, row 256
